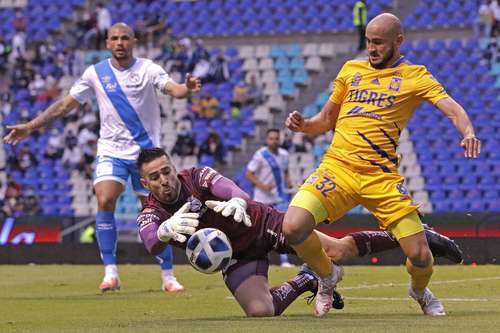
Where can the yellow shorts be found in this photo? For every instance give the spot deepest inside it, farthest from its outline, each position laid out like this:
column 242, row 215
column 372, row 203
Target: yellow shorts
column 339, row 189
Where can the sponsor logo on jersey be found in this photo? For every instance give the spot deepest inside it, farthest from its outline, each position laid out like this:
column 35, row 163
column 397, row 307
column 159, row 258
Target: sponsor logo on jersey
column 375, row 81
column 110, row 87
column 106, row 78
column 356, row 79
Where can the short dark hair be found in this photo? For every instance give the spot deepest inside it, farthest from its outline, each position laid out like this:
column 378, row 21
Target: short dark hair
column 270, row 130
column 149, row 154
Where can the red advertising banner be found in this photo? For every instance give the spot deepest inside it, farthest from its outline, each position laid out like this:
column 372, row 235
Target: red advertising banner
column 29, row 231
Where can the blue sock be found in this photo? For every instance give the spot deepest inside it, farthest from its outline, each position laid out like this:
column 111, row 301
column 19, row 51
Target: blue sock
column 283, row 258
column 106, row 237
column 165, row 258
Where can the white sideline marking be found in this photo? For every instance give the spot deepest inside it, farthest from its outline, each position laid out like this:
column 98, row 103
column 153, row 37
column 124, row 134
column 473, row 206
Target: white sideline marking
column 407, row 298
column 370, row 286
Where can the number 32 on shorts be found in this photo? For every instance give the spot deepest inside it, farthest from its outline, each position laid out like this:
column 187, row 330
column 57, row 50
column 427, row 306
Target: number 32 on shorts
column 322, row 183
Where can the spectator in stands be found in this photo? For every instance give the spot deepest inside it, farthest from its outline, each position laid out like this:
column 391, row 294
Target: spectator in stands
column 179, row 60
column 5, row 50
column 103, row 24
column 168, row 44
column 207, row 106
column 359, row 20
column 72, row 156
column 55, row 145
column 27, row 159
column 495, row 10
column 219, row 69
column 149, row 28
column 200, row 61
column 184, row 144
column 23, row 161
column 240, row 94
column 255, row 95
column 36, row 86
column 12, row 206
column 485, row 20
column 30, row 202
column 19, row 45
column 19, row 21
column 213, row 147
column 268, row 172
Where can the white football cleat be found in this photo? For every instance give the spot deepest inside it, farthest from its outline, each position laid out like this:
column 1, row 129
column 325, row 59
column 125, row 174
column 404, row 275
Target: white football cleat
column 170, row 284
column 110, row 284
column 326, row 288
column 429, row 303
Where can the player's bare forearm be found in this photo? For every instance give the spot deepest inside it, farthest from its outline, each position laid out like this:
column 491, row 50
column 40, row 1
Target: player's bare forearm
column 460, row 119
column 20, row 132
column 191, row 86
column 322, row 122
column 56, row 110
column 177, row 90
column 457, row 115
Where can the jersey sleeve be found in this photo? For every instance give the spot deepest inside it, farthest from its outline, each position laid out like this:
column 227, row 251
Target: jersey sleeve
column 205, row 177
column 339, row 89
column 148, row 217
column 158, row 76
column 83, row 89
column 255, row 163
column 428, row 88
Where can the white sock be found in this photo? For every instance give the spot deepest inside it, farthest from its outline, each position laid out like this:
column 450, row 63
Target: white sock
column 167, row 274
column 110, row 271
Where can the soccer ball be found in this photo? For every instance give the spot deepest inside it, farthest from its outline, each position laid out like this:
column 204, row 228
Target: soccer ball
column 209, row 250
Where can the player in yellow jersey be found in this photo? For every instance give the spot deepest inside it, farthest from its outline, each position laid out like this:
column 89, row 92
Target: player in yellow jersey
column 371, row 102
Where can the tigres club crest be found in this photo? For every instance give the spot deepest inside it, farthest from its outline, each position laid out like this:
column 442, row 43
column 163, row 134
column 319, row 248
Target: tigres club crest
column 395, row 84
column 356, row 79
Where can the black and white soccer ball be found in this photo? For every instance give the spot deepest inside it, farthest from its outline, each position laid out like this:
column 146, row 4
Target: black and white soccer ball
column 209, row 250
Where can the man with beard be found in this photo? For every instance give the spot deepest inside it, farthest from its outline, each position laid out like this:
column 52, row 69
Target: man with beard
column 371, row 102
column 180, row 203
column 125, row 88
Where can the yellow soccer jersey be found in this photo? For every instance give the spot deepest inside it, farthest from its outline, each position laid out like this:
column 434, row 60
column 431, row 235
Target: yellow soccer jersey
column 376, row 104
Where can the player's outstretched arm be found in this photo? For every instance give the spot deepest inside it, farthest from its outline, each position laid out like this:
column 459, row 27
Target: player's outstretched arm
column 460, row 119
column 191, row 86
column 320, row 123
column 20, row 132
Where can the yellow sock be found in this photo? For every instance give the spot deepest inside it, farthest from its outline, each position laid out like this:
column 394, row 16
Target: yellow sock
column 313, row 254
column 420, row 276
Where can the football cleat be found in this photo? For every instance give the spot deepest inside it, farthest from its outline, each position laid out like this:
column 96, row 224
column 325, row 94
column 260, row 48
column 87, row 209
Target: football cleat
column 429, row 303
column 326, row 287
column 170, row 284
column 110, row 284
column 442, row 246
column 338, row 300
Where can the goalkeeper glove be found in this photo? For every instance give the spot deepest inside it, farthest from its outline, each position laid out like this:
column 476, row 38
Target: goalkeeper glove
column 235, row 207
column 182, row 222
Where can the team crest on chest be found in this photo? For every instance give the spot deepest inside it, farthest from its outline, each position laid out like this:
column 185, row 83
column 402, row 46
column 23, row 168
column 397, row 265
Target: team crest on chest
column 395, row 84
column 195, row 204
column 134, row 78
column 356, row 79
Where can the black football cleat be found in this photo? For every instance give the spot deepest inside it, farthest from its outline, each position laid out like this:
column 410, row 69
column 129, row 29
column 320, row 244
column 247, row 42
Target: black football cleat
column 442, row 246
column 338, row 300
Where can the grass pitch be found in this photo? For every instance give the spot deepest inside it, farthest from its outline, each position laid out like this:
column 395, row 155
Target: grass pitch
column 66, row 299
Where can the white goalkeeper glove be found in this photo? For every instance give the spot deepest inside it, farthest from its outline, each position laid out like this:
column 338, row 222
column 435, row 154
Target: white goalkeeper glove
column 182, row 222
column 235, row 206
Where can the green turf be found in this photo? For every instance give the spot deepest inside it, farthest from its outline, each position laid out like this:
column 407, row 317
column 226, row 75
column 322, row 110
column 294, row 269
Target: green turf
column 65, row 298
